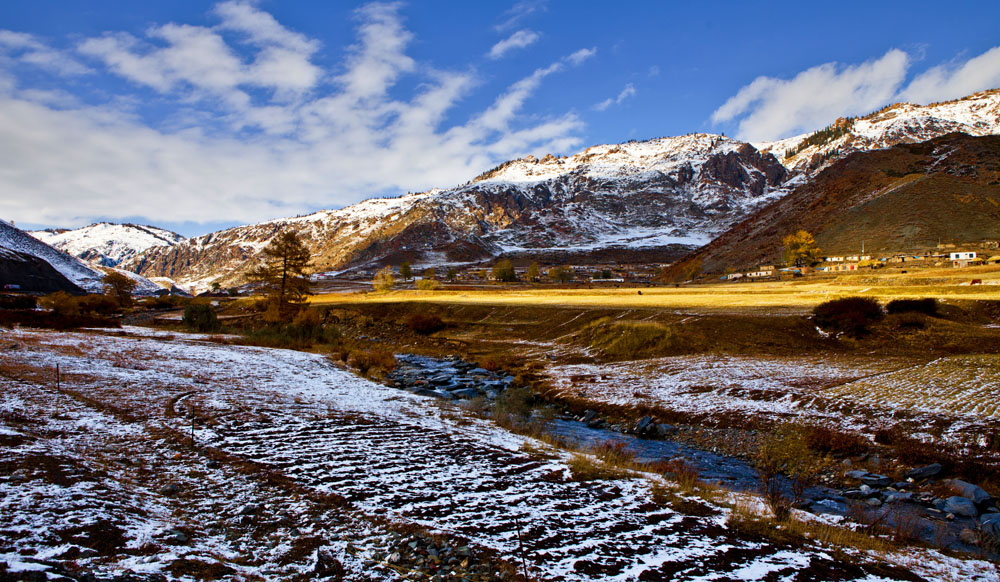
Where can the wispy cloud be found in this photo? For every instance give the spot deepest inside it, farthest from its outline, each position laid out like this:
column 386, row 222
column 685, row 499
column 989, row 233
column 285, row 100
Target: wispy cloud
column 28, row 49
column 626, row 92
column 518, row 12
column 519, row 40
column 576, row 59
column 263, row 130
column 770, row 108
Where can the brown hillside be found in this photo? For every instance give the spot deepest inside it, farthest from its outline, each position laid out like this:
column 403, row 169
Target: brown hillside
column 906, row 198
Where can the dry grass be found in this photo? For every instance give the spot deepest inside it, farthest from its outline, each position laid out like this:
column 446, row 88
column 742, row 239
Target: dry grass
column 801, row 294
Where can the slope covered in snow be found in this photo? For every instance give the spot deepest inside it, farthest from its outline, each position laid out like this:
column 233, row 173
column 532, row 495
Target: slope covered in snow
column 976, row 115
column 71, row 267
column 108, row 244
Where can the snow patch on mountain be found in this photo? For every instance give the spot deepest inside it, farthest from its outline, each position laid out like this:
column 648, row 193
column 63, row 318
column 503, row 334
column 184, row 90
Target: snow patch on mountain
column 108, row 244
column 976, row 115
column 71, row 267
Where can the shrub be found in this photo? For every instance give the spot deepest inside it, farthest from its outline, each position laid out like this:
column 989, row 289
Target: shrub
column 374, row 362
column 428, row 284
column 201, row 318
column 823, row 439
column 908, row 320
column 780, row 454
column 425, row 324
column 681, row 470
column 17, row 302
column 850, row 316
column 514, row 402
column 61, row 303
column 98, row 304
column 926, row 306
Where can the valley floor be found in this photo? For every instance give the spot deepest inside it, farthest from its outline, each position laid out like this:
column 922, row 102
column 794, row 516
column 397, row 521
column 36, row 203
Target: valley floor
column 299, row 468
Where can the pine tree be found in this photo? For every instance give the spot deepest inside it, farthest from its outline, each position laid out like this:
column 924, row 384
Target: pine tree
column 119, row 287
column 504, row 271
column 285, row 261
column 405, row 271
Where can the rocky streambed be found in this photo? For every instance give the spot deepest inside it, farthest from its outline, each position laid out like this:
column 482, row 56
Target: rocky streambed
column 967, row 520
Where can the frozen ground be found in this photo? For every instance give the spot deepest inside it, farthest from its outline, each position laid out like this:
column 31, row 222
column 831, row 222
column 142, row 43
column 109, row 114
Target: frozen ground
column 97, row 476
column 850, row 390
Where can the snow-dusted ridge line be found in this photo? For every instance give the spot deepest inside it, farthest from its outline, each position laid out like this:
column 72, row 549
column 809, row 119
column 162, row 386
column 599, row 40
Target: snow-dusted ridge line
column 108, row 244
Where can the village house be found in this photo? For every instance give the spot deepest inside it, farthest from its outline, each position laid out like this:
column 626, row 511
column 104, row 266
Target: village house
column 964, row 258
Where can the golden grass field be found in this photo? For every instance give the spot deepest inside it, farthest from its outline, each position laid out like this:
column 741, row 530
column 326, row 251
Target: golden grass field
column 943, row 283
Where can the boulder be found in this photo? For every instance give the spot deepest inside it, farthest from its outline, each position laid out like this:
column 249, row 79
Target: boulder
column 170, row 489
column 829, row 506
column 589, row 415
column 969, row 491
column 855, row 474
column 479, row 372
column 896, row 496
column 467, row 393
column 875, row 480
column 664, row 429
column 969, row 537
column 991, row 525
column 643, row 424
column 925, row 472
column 960, row 506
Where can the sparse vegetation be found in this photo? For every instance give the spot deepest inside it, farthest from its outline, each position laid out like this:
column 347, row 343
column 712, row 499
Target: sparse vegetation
column 504, row 272
column 425, row 324
column 384, row 280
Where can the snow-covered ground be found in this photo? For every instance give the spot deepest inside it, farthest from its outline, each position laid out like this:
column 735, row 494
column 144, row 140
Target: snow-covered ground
column 91, row 459
column 852, row 391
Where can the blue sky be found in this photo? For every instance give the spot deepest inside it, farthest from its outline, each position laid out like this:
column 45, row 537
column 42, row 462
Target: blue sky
column 198, row 115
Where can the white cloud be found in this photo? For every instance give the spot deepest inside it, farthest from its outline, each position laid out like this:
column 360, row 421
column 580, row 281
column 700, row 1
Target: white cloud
column 770, row 108
column 955, row 80
column 519, row 12
column 27, row 49
column 625, row 93
column 519, row 40
column 314, row 139
column 577, row 58
column 654, row 71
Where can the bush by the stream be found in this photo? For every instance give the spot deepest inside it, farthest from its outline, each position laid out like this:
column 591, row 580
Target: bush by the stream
column 425, row 324
column 201, row 318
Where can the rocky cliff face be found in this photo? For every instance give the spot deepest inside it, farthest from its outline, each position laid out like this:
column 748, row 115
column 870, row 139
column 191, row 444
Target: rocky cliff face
column 108, row 244
column 673, row 193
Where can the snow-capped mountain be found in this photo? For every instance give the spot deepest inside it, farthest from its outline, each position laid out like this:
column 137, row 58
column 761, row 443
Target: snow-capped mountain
column 671, row 194
column 975, row 115
column 78, row 272
column 637, row 201
column 75, row 270
column 108, row 244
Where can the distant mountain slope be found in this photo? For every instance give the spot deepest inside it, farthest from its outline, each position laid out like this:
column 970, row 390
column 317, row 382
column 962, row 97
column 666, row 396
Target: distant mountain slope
column 668, row 193
column 905, row 198
column 108, row 244
column 29, row 273
column 71, row 267
column 977, row 115
column 75, row 270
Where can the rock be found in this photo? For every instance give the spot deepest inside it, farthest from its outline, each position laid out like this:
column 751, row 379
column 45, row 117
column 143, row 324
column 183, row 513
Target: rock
column 854, row 494
column 991, row 525
column 876, row 480
column 394, row 558
column 874, row 502
column 467, row 393
column 970, row 491
column 170, row 490
column 901, row 485
column 248, row 509
column 479, row 372
column 855, row 474
column 327, row 565
column 175, row 536
column 507, row 379
column 960, row 506
column 969, row 537
column 596, row 423
column 829, row 506
column 664, row 429
column 924, row 472
column 588, row 415
column 896, row 496
column 642, row 425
